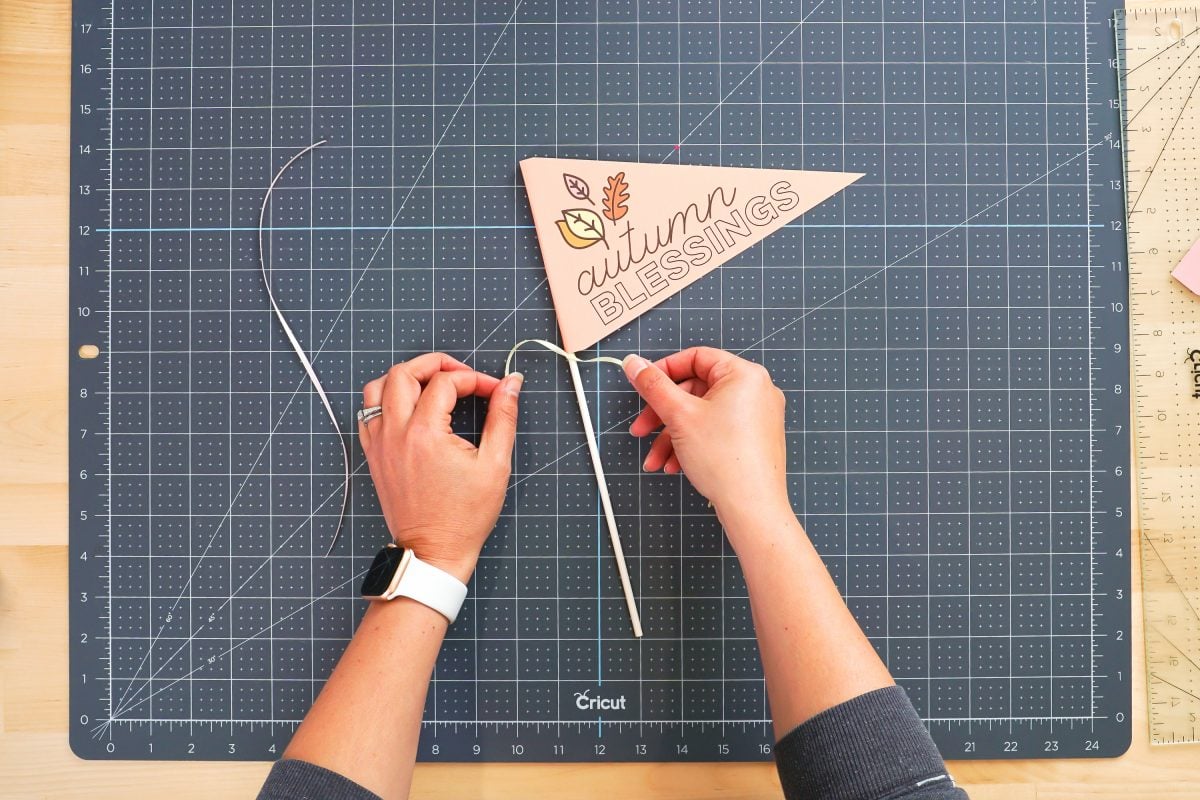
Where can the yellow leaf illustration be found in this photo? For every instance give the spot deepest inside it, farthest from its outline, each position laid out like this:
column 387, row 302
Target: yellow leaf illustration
column 571, row 238
column 584, row 223
column 581, row 227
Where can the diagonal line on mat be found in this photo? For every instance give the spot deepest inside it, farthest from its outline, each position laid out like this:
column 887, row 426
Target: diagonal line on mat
column 320, row 349
column 846, row 291
column 162, row 664
column 667, row 157
column 99, row 729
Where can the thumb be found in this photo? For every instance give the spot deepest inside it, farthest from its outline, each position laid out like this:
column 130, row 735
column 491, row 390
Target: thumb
column 500, row 426
column 656, row 388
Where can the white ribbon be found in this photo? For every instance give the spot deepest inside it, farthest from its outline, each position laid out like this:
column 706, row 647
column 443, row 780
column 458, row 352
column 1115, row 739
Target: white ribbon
column 291, row 337
column 552, row 347
column 323, row 395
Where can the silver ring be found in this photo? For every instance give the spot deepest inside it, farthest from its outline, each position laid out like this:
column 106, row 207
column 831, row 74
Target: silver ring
column 365, row 415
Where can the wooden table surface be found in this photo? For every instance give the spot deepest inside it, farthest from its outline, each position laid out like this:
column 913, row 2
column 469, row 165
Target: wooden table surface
column 34, row 758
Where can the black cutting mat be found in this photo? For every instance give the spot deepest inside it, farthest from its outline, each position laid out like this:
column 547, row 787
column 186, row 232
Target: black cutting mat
column 950, row 332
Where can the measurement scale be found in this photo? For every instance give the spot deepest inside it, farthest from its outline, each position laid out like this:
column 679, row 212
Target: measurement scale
column 998, row 585
column 1160, row 72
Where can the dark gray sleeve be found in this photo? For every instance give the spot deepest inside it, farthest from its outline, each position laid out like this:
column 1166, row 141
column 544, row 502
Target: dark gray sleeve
column 292, row 779
column 873, row 747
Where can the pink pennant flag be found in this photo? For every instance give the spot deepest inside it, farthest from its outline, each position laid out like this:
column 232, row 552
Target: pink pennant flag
column 1187, row 271
column 619, row 238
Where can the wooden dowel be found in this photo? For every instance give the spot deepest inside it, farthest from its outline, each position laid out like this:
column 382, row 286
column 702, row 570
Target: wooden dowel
column 605, row 500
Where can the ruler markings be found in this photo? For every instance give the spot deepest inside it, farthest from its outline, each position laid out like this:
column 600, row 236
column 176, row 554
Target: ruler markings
column 1165, row 328
column 1079, row 733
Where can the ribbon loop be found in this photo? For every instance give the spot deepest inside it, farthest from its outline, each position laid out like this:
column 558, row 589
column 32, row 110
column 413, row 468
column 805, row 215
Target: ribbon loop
column 552, row 347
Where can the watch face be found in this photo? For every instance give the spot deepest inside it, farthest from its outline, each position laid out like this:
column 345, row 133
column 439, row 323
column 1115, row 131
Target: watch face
column 379, row 577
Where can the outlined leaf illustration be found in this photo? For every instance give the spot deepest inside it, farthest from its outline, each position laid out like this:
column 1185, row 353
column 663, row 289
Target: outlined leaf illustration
column 581, row 227
column 571, row 238
column 578, row 187
column 616, row 196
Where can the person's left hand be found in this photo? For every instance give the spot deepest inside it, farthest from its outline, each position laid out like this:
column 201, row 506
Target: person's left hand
column 440, row 494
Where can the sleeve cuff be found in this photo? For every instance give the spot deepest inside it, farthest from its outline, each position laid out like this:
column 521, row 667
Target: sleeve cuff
column 873, row 746
column 292, row 779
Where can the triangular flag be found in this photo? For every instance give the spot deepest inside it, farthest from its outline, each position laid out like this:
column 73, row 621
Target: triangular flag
column 1186, row 272
column 619, row 238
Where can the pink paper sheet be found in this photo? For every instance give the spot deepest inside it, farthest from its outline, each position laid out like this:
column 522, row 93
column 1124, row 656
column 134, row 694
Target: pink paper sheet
column 1187, row 271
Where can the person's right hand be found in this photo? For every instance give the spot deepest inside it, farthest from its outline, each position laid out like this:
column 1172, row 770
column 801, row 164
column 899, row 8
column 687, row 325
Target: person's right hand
column 440, row 494
column 724, row 426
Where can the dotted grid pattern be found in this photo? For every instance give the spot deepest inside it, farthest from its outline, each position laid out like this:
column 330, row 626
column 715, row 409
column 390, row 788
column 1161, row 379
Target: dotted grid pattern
column 938, row 411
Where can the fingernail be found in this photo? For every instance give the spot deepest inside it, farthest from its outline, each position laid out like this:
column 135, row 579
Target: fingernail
column 514, row 381
column 634, row 364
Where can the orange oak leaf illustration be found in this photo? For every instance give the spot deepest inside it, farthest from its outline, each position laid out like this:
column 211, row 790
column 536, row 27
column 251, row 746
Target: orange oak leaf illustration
column 616, row 196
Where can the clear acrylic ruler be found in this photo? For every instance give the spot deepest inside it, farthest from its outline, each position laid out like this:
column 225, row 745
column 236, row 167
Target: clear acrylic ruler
column 1159, row 47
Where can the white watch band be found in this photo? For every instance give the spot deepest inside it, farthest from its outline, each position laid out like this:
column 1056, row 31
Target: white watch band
column 431, row 586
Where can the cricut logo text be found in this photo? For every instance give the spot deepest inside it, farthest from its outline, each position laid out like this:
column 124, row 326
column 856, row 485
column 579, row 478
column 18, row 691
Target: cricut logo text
column 586, row 703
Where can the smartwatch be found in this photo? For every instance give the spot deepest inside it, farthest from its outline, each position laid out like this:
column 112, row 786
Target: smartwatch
column 397, row 572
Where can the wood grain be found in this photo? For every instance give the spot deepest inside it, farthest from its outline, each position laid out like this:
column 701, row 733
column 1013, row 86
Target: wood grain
column 34, row 758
